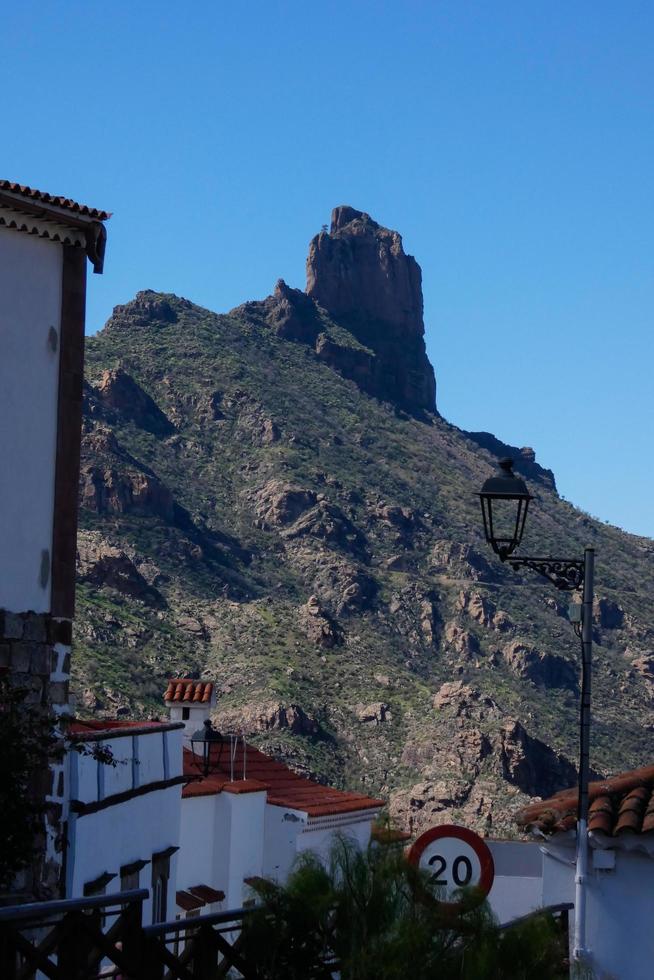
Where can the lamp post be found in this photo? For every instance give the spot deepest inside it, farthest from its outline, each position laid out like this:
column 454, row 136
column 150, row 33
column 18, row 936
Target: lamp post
column 504, row 504
column 207, row 747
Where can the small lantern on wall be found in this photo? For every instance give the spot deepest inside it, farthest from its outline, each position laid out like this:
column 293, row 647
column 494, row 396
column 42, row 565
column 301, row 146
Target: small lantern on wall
column 504, row 503
column 207, row 748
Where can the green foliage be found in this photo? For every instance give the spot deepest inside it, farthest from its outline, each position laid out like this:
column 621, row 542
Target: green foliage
column 28, row 743
column 379, row 918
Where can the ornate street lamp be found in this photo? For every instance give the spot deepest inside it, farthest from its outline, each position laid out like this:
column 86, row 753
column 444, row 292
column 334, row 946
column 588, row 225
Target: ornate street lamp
column 207, row 748
column 504, row 503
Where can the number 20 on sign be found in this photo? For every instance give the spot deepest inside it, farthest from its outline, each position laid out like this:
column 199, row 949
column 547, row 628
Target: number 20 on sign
column 455, row 857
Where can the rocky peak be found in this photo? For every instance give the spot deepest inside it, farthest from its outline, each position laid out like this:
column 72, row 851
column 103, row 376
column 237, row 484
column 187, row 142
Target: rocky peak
column 147, row 307
column 360, row 274
column 361, row 268
column 291, row 314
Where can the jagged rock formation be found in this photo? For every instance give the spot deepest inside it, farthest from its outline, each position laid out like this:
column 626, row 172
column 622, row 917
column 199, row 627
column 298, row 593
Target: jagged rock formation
column 524, row 457
column 358, row 278
column 292, row 314
column 117, row 391
column 249, row 512
column 360, row 274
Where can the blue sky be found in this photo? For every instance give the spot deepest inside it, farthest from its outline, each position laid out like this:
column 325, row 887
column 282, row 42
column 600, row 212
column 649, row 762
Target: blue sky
column 510, row 142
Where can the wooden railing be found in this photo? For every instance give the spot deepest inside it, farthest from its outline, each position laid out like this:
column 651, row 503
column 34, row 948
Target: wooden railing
column 103, row 937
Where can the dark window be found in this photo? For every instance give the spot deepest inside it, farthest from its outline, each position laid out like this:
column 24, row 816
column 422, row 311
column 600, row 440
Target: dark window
column 186, row 714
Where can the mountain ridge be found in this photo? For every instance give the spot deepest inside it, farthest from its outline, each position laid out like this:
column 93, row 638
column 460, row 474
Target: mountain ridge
column 253, row 509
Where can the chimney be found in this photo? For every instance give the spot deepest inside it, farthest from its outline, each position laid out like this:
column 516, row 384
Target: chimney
column 190, row 701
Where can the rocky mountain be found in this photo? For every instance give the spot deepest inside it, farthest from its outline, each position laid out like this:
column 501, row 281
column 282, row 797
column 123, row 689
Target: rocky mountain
column 269, row 497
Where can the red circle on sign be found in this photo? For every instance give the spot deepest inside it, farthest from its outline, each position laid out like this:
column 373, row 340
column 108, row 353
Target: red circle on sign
column 469, row 837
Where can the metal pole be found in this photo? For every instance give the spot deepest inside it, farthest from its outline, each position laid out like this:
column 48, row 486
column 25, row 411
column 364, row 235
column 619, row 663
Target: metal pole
column 580, row 950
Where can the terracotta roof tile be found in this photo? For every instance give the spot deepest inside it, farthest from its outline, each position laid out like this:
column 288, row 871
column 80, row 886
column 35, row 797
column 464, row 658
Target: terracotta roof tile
column 184, row 689
column 601, row 814
column 285, row 787
column 390, row 835
column 244, row 786
column 42, row 197
column 623, row 804
column 109, row 725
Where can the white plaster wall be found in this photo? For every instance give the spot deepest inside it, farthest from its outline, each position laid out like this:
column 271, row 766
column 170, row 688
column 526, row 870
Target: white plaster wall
column 518, row 883
column 246, row 839
column 320, row 840
column 196, row 844
column 30, row 302
column 222, row 842
column 282, row 827
column 83, row 786
column 151, row 751
column 151, row 757
column 558, row 874
column 117, row 778
column 619, row 912
column 198, row 713
column 228, row 837
column 120, row 834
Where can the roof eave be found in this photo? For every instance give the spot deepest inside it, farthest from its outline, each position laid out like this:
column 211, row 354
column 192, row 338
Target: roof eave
column 77, row 215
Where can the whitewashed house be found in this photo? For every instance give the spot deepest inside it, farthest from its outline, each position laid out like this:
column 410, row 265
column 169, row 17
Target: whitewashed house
column 45, row 242
column 620, row 886
column 140, row 814
column 252, row 815
column 123, row 811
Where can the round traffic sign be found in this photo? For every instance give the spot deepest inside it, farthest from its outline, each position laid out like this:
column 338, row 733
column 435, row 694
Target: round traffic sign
column 456, row 858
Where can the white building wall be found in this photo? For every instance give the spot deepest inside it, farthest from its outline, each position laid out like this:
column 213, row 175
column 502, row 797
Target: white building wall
column 227, row 837
column 222, row 842
column 130, row 830
column 197, row 715
column 318, row 836
column 159, row 756
column 282, row 829
column 246, row 818
column 119, row 777
column 518, row 883
column 119, row 835
column 140, row 759
column 198, row 834
column 619, row 909
column 30, row 292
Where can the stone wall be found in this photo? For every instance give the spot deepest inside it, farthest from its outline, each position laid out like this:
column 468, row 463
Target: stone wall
column 35, row 653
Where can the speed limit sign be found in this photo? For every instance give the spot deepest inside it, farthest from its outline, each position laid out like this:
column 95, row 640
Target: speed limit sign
column 456, row 858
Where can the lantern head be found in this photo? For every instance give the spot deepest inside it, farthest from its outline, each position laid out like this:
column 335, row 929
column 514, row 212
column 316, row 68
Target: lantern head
column 504, row 502
column 207, row 747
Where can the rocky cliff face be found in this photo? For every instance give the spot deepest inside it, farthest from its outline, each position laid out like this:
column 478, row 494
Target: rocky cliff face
column 360, row 274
